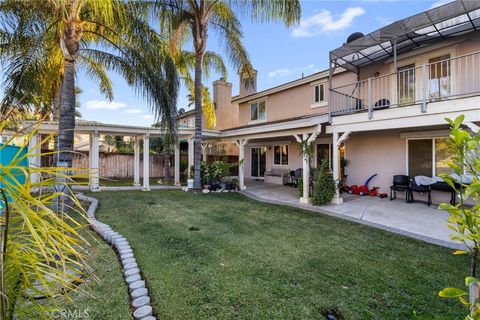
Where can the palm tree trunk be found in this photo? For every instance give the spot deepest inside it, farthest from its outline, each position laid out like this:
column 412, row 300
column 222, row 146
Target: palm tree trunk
column 66, row 124
column 197, row 141
column 56, row 115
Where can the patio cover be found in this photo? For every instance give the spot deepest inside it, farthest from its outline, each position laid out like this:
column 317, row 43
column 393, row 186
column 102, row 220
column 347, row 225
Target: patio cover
column 447, row 21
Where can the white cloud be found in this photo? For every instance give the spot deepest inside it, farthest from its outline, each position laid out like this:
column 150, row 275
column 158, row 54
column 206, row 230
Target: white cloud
column 133, row 111
column 147, row 117
column 285, row 72
column 439, row 3
column 324, row 21
column 108, row 105
column 279, row 72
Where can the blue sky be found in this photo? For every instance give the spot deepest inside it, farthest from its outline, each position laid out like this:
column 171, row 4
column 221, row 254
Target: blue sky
column 279, row 54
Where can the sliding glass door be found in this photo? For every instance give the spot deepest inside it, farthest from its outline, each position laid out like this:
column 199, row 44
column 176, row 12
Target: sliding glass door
column 258, row 162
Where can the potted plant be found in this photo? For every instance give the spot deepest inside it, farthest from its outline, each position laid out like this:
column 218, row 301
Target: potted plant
column 235, row 184
column 205, row 169
column 190, row 178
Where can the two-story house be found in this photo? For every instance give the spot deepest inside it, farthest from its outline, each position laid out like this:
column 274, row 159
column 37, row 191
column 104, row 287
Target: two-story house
column 381, row 105
column 410, row 76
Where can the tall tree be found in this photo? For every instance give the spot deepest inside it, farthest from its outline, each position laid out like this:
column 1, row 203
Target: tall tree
column 106, row 35
column 192, row 19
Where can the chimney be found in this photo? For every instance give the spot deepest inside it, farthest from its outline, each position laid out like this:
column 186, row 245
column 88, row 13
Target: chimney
column 222, row 93
column 248, row 90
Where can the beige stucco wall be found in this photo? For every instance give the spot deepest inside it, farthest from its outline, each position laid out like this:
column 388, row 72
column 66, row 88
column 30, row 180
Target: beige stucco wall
column 290, row 103
column 384, row 153
column 226, row 111
column 375, row 152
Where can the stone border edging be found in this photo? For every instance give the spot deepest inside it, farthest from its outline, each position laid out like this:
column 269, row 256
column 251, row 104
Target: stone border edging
column 321, row 210
column 131, row 272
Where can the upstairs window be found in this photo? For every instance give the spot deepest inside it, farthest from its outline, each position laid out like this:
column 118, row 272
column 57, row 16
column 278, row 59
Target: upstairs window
column 439, row 77
column 280, row 155
column 319, row 93
column 257, row 111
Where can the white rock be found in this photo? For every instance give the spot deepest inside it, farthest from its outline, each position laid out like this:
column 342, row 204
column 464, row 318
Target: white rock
column 206, row 191
column 132, row 271
column 128, row 260
column 130, row 265
column 139, row 293
column 136, row 285
column 142, row 312
column 133, row 278
column 126, row 256
column 140, row 302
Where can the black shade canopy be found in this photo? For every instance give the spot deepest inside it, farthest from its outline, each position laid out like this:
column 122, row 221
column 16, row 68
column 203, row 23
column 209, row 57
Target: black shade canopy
column 447, row 21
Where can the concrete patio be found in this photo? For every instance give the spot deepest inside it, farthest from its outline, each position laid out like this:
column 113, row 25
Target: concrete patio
column 415, row 220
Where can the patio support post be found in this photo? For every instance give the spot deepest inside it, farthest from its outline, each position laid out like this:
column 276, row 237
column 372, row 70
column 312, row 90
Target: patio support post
column 306, row 172
column 34, row 161
column 305, row 141
column 177, row 163
column 146, row 162
column 336, row 172
column 190, row 155
column 94, row 162
column 136, row 162
column 241, row 143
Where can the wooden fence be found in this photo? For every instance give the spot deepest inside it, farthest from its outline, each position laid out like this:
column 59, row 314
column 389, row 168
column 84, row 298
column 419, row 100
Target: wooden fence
column 118, row 166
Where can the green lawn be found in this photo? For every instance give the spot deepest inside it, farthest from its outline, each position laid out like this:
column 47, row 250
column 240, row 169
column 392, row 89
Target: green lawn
column 225, row 256
column 105, row 297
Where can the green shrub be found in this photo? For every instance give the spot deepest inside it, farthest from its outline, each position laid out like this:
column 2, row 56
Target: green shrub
column 323, row 185
column 300, row 187
column 205, row 170
column 218, row 171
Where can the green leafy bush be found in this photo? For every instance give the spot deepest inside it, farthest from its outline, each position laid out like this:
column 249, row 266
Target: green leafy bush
column 205, row 170
column 464, row 220
column 300, row 187
column 323, row 185
column 219, row 170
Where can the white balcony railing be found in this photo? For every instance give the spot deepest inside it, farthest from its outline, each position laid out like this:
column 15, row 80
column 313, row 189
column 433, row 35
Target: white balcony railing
column 440, row 80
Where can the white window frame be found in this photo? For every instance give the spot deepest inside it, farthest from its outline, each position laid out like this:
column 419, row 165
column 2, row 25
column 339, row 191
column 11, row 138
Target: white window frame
column 288, row 155
column 434, row 164
column 420, row 59
column 258, row 103
column 320, row 103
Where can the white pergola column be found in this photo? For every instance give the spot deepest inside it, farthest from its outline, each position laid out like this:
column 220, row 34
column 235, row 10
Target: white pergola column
column 146, row 162
column 305, row 141
column 337, row 140
column 177, row 163
column 94, row 157
column 241, row 143
column 306, row 174
column 190, row 155
column 136, row 162
column 34, row 161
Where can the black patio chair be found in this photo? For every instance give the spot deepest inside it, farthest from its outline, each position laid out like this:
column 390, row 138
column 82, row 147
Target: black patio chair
column 400, row 184
column 298, row 174
column 445, row 187
column 414, row 187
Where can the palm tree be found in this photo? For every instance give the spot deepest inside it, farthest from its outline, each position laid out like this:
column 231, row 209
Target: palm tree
column 192, row 19
column 104, row 35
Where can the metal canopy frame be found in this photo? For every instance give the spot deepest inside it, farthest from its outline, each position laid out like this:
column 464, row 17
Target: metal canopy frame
column 450, row 20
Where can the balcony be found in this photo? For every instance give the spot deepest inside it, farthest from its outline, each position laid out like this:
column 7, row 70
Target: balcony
column 442, row 79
